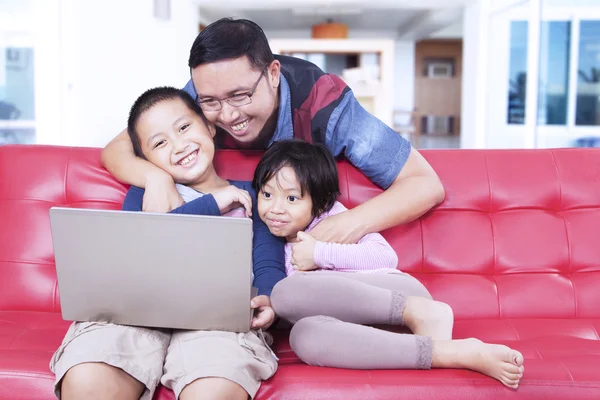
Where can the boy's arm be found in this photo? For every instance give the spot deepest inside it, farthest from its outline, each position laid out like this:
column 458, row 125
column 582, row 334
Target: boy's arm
column 411, row 185
column 268, row 256
column 371, row 252
column 119, row 159
column 205, row 205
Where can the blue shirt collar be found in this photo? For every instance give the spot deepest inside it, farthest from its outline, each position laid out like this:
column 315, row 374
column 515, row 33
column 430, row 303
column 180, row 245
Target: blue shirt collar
column 285, row 127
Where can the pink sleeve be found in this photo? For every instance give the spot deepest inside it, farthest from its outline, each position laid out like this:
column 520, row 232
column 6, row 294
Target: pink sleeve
column 371, row 252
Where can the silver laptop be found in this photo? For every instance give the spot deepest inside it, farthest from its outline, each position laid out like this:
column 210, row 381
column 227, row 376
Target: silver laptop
column 154, row 270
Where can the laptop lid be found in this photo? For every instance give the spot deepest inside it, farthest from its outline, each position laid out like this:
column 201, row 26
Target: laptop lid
column 153, row 269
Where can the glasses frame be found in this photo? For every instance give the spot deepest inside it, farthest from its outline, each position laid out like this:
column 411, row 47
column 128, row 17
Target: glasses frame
column 228, row 99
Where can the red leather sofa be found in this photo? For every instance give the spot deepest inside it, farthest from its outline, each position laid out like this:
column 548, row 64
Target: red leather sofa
column 514, row 249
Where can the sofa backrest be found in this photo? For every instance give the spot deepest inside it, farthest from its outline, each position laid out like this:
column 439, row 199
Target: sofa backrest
column 518, row 234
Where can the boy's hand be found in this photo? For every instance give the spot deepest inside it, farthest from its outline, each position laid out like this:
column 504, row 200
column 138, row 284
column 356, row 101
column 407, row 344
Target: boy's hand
column 264, row 316
column 160, row 194
column 303, row 252
column 232, row 197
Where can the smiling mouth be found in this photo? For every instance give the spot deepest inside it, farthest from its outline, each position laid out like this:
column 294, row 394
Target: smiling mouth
column 276, row 223
column 240, row 127
column 188, row 159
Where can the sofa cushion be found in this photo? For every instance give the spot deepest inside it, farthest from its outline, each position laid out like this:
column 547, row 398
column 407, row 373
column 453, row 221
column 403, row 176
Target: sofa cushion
column 513, row 249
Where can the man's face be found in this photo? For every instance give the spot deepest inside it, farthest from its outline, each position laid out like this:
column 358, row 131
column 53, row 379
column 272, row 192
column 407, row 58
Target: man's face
column 227, row 78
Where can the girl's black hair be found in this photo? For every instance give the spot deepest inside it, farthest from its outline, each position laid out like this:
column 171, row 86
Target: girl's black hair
column 313, row 164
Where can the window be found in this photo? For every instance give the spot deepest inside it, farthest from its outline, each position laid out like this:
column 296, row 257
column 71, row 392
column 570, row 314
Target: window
column 17, row 111
column 517, row 84
column 554, row 72
column 587, row 111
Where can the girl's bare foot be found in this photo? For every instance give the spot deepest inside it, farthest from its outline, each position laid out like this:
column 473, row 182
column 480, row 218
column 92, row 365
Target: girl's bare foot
column 426, row 317
column 497, row 361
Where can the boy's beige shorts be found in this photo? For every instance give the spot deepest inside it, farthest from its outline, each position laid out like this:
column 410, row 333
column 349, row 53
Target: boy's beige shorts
column 174, row 358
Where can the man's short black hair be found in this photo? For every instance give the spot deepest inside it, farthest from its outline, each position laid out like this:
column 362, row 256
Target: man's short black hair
column 149, row 99
column 230, row 38
column 313, row 164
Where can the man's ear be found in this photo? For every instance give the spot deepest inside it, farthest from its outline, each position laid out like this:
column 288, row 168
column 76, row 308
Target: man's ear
column 212, row 129
column 273, row 74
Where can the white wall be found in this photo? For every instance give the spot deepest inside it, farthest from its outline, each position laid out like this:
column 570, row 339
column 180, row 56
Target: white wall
column 473, row 105
column 112, row 51
column 454, row 31
column 404, row 75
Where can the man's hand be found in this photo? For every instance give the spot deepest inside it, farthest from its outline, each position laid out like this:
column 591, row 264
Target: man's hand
column 264, row 314
column 160, row 194
column 303, row 252
column 232, row 197
column 339, row 228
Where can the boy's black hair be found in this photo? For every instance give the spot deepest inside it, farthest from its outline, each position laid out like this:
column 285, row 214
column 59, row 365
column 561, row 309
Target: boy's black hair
column 313, row 164
column 230, row 38
column 149, row 99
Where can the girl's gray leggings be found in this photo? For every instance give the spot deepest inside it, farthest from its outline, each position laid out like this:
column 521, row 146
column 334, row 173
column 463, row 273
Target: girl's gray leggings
column 331, row 312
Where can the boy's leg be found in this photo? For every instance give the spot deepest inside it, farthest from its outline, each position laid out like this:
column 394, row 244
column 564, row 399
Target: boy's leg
column 213, row 389
column 216, row 365
column 110, row 361
column 362, row 298
column 100, row 381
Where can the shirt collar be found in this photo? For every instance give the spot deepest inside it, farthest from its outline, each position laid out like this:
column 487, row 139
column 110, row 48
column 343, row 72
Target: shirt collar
column 285, row 127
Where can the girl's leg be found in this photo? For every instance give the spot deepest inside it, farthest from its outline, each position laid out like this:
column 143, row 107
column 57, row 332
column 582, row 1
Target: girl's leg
column 368, row 299
column 326, row 341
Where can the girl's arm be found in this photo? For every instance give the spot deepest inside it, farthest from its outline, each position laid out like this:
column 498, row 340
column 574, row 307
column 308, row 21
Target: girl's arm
column 371, row 252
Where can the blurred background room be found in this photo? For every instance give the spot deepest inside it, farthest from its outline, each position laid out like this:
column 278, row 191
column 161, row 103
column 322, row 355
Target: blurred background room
column 442, row 73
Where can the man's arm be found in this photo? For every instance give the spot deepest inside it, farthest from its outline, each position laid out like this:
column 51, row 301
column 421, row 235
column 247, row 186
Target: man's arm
column 416, row 190
column 411, row 185
column 119, row 159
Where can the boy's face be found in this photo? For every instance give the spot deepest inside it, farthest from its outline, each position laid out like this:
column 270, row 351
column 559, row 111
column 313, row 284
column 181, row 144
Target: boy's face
column 282, row 207
column 224, row 79
column 177, row 140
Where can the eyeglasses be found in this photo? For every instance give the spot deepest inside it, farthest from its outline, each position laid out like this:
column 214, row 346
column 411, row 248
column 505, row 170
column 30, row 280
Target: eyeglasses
column 237, row 100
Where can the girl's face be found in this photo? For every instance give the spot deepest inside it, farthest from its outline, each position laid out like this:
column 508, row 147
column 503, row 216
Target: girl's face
column 177, row 140
column 282, row 207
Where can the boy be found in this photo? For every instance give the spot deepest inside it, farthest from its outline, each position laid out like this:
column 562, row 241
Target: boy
column 101, row 360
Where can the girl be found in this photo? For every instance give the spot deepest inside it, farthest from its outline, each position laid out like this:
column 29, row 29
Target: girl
column 333, row 291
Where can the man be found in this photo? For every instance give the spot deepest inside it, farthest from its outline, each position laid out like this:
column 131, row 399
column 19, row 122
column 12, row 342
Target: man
column 255, row 99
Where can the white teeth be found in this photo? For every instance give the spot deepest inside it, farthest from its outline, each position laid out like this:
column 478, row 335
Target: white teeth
column 188, row 159
column 240, row 127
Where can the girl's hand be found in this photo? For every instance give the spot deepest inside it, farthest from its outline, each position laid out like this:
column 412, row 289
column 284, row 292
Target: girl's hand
column 232, row 197
column 303, row 252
